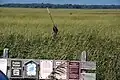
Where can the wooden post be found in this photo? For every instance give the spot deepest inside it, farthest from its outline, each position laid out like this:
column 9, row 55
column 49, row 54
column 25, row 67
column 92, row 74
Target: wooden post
column 84, row 56
column 85, row 66
column 6, row 53
column 83, row 59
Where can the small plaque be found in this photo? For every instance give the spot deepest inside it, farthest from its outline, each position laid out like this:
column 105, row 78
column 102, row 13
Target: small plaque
column 74, row 70
column 31, row 69
column 46, row 67
column 63, row 67
column 16, row 66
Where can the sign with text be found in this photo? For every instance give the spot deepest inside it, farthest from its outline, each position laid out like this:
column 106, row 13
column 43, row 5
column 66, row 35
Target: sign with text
column 74, row 70
column 62, row 66
column 46, row 67
column 3, row 65
column 16, row 68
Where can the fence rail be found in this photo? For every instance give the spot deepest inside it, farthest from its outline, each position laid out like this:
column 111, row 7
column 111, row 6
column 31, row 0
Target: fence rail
column 36, row 69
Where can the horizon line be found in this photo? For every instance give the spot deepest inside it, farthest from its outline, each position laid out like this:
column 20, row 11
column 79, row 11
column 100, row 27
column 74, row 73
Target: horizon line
column 55, row 3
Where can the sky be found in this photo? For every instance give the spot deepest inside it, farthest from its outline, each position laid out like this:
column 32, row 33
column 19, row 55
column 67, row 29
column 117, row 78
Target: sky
column 96, row 2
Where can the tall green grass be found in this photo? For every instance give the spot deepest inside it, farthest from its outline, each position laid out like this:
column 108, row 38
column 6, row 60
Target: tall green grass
column 28, row 34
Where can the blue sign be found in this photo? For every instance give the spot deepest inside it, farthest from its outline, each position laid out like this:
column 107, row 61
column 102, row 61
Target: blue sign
column 3, row 76
column 31, row 69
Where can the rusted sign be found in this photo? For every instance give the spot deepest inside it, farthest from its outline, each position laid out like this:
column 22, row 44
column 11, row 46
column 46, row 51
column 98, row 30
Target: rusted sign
column 16, row 68
column 74, row 70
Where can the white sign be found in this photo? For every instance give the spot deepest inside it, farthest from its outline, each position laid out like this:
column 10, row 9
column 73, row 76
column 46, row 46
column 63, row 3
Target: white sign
column 88, row 76
column 64, row 74
column 3, row 65
column 31, row 69
column 46, row 67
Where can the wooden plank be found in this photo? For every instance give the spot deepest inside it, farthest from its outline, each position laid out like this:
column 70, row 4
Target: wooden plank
column 89, row 65
column 88, row 76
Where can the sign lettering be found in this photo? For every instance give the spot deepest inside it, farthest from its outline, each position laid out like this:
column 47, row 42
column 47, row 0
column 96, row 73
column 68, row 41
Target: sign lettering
column 16, row 66
column 74, row 70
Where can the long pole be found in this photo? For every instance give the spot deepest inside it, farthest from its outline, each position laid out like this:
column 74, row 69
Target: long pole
column 50, row 16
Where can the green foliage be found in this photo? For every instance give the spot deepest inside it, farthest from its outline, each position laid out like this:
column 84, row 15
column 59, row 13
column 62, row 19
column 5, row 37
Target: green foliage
column 27, row 33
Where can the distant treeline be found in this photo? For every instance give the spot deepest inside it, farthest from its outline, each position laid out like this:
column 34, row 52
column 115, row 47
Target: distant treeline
column 68, row 6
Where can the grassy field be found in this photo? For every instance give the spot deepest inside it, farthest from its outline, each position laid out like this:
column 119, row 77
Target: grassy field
column 27, row 33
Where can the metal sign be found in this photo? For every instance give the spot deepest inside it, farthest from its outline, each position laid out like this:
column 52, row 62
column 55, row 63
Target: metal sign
column 31, row 69
column 3, row 65
column 74, row 70
column 16, row 68
column 46, row 67
column 62, row 67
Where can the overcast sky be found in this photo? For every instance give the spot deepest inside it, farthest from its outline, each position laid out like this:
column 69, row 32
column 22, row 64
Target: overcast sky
column 64, row 1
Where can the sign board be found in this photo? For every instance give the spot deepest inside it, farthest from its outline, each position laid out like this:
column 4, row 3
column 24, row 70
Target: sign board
column 74, row 70
column 46, row 67
column 31, row 69
column 88, row 76
column 61, row 64
column 16, row 68
column 3, row 65
column 89, row 65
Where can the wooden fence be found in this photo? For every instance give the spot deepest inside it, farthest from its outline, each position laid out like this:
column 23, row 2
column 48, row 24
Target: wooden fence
column 38, row 69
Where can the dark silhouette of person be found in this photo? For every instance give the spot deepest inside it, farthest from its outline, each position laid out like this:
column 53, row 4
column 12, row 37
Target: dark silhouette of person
column 55, row 31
